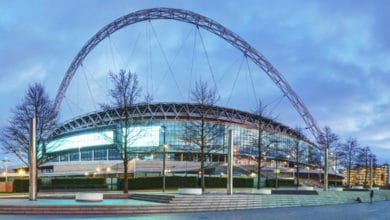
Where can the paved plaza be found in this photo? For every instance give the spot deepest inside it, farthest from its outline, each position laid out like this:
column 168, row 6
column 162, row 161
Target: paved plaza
column 212, row 205
column 362, row 211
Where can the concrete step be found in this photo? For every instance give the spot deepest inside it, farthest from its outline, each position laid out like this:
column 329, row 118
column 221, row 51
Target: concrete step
column 194, row 203
column 152, row 198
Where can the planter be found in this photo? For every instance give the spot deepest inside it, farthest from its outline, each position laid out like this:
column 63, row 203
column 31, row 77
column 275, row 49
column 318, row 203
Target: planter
column 190, row 191
column 89, row 197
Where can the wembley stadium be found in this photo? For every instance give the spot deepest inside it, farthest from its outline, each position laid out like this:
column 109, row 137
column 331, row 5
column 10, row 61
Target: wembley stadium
column 88, row 145
column 92, row 144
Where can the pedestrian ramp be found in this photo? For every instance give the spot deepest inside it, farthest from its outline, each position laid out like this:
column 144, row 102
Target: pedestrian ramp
column 213, row 202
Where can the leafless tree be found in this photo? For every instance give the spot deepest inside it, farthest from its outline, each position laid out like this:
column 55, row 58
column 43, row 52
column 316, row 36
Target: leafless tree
column 264, row 119
column 202, row 133
column 364, row 157
column 329, row 142
column 124, row 95
column 330, row 138
column 296, row 152
column 348, row 153
column 148, row 98
column 15, row 137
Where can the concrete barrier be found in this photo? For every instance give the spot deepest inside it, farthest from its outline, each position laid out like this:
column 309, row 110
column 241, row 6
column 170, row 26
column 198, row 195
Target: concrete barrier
column 338, row 189
column 308, row 188
column 89, row 197
column 190, row 191
column 262, row 191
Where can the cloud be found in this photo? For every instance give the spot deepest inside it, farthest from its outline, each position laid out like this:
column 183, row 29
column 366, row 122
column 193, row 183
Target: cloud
column 10, row 83
column 334, row 54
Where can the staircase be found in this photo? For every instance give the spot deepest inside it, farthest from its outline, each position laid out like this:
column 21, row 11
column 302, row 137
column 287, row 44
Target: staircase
column 174, row 203
column 212, row 202
column 152, row 197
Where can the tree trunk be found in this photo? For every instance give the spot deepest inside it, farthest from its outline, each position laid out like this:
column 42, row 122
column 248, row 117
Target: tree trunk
column 349, row 175
column 366, row 176
column 259, row 173
column 202, row 157
column 125, row 177
column 297, row 176
column 202, row 171
column 259, row 161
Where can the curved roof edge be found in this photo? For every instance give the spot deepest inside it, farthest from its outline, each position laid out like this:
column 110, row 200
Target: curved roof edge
column 173, row 111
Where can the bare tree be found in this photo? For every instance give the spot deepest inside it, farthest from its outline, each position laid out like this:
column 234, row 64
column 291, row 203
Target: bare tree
column 201, row 132
column 330, row 138
column 259, row 141
column 348, row 152
column 363, row 159
column 148, row 98
column 374, row 163
column 329, row 142
column 336, row 157
column 270, row 148
column 15, row 137
column 124, row 94
column 296, row 152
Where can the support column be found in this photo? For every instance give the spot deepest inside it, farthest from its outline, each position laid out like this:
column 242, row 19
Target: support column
column 164, row 155
column 33, row 161
column 371, row 173
column 326, row 169
column 230, row 165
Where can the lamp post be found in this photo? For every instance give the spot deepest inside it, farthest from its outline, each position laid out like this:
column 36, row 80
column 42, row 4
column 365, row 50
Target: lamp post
column 164, row 155
column 371, row 171
column 326, row 180
column 335, row 169
column 6, row 161
column 230, row 164
column 276, row 157
column 33, row 161
column 276, row 173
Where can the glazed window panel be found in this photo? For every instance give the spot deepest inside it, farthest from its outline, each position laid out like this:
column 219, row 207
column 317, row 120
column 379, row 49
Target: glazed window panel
column 100, row 154
column 64, row 157
column 86, row 155
column 74, row 156
column 113, row 154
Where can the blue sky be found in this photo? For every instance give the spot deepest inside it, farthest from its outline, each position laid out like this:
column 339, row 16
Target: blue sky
column 335, row 55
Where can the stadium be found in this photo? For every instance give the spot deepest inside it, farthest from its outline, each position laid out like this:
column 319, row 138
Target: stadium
column 88, row 145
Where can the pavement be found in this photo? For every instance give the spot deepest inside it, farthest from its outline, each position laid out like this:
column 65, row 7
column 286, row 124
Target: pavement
column 356, row 211
column 217, row 205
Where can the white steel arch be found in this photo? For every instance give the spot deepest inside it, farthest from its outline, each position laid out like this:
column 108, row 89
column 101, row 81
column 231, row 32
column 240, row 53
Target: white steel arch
column 201, row 22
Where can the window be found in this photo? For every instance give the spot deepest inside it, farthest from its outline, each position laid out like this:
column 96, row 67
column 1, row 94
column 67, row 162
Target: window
column 74, row 156
column 64, row 157
column 100, row 154
column 113, row 154
column 86, row 155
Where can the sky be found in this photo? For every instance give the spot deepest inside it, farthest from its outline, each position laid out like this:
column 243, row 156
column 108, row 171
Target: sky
column 334, row 54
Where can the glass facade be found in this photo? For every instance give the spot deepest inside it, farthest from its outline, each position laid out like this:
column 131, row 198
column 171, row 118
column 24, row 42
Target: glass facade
column 145, row 141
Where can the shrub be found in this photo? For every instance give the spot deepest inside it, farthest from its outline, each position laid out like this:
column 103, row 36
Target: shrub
column 155, row 182
column 221, row 182
column 281, row 182
column 20, row 185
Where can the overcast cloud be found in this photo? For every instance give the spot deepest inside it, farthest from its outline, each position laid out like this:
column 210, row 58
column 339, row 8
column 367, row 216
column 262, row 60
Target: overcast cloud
column 335, row 54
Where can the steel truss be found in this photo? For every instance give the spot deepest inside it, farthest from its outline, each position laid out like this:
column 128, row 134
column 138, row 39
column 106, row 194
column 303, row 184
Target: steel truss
column 174, row 112
column 202, row 22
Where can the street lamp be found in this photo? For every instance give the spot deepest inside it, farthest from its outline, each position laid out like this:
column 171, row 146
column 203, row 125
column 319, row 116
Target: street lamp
column 371, row 170
column 277, row 171
column 164, row 154
column 334, row 167
column 6, row 161
column 326, row 171
column 288, row 156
